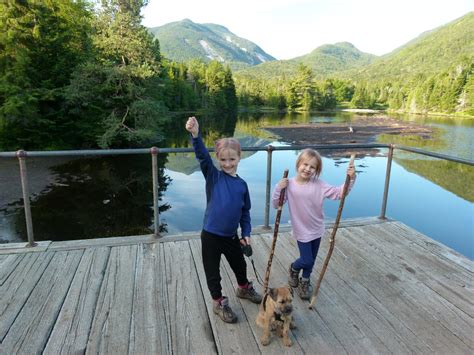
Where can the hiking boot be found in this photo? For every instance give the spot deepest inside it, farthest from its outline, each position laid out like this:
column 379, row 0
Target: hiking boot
column 249, row 293
column 293, row 276
column 304, row 289
column 223, row 310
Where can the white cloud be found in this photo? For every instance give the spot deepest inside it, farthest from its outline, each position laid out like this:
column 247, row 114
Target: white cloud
column 289, row 28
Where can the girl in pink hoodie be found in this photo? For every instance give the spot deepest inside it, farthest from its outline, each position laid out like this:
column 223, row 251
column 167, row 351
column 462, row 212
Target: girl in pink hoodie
column 305, row 194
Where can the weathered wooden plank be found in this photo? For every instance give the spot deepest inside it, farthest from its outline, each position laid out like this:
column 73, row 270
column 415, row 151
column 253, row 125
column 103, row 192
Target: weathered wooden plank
column 71, row 330
column 348, row 328
column 8, row 263
column 388, row 289
column 441, row 275
column 110, row 329
column 434, row 247
column 189, row 322
column 150, row 333
column 17, row 286
column 457, row 325
column 230, row 338
column 347, row 281
column 383, row 280
column 102, row 242
column 19, row 248
column 312, row 335
column 33, row 325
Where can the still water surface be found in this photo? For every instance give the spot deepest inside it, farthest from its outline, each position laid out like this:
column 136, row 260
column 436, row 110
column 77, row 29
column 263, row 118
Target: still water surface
column 94, row 197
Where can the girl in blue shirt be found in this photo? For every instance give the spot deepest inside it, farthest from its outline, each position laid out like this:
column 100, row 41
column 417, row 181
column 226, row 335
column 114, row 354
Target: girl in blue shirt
column 228, row 206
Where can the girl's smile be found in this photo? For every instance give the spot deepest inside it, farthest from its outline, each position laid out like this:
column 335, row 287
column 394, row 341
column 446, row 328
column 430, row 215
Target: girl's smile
column 228, row 161
column 306, row 170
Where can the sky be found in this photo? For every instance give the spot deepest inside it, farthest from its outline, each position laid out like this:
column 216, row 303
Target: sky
column 289, row 28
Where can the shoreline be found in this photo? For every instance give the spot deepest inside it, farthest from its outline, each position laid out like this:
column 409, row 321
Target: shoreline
column 361, row 130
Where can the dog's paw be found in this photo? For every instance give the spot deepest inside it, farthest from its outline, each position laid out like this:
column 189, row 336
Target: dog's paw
column 264, row 341
column 287, row 341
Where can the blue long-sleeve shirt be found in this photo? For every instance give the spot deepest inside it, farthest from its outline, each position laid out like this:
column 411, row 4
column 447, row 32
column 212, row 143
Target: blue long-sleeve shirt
column 228, row 198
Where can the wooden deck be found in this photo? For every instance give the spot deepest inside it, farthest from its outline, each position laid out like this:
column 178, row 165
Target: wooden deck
column 388, row 289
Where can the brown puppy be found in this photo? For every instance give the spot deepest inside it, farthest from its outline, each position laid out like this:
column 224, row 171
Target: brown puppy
column 276, row 313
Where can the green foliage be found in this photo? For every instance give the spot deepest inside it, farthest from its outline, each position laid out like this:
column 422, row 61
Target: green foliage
column 429, row 74
column 323, row 61
column 41, row 43
column 86, row 78
column 432, row 73
column 298, row 93
column 428, row 54
column 112, row 96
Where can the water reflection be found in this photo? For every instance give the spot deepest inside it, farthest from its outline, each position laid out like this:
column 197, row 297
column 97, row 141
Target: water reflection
column 98, row 197
column 112, row 196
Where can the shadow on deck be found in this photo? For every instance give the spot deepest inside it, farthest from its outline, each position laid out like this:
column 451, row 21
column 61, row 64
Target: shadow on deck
column 388, row 289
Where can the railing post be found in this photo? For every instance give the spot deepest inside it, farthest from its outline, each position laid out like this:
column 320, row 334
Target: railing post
column 156, row 209
column 268, row 187
column 21, row 155
column 387, row 181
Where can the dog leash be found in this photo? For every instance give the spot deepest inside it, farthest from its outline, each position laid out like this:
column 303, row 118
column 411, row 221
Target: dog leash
column 247, row 251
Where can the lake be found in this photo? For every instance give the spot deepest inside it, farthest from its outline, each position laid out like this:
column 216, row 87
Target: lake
column 100, row 197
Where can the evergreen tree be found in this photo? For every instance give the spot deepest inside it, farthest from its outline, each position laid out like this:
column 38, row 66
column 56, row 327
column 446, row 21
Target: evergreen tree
column 41, row 43
column 116, row 93
column 301, row 90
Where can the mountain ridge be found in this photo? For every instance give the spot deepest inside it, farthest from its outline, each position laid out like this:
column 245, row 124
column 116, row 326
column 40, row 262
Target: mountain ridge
column 323, row 60
column 185, row 40
column 427, row 54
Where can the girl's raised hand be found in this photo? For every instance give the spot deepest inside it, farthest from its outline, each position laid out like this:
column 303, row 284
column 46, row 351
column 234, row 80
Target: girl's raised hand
column 192, row 126
column 351, row 171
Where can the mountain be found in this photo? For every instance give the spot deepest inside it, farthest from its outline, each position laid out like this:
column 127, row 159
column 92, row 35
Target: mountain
column 184, row 40
column 324, row 60
column 432, row 52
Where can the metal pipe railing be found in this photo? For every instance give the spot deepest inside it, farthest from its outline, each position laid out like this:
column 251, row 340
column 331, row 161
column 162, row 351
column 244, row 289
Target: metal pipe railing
column 268, row 184
column 156, row 208
column 25, row 187
column 387, row 181
column 22, row 155
column 434, row 155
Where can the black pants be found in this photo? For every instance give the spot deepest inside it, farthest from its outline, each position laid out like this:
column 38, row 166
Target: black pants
column 212, row 247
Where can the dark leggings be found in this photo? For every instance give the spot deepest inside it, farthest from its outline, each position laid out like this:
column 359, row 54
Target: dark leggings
column 308, row 254
column 212, row 247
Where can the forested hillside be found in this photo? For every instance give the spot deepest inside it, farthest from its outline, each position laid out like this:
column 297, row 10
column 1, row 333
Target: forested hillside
column 185, row 40
column 432, row 73
column 428, row 54
column 76, row 76
column 323, row 61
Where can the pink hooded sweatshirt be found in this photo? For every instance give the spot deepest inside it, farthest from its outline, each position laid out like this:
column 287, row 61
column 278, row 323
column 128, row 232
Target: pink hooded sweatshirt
column 305, row 202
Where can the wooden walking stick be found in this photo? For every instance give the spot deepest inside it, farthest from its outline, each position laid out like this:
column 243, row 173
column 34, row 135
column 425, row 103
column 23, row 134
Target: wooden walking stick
column 275, row 235
column 332, row 240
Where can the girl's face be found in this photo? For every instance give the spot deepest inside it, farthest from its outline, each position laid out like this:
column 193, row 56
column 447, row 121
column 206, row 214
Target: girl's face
column 228, row 160
column 307, row 169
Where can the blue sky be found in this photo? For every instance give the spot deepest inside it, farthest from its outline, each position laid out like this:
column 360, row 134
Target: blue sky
column 290, row 28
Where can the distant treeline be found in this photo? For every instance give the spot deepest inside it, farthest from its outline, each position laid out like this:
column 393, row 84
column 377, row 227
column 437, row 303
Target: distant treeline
column 450, row 91
column 77, row 76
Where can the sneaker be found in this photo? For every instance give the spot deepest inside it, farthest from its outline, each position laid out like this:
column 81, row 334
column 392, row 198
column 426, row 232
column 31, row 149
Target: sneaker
column 293, row 276
column 304, row 289
column 223, row 310
column 249, row 293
